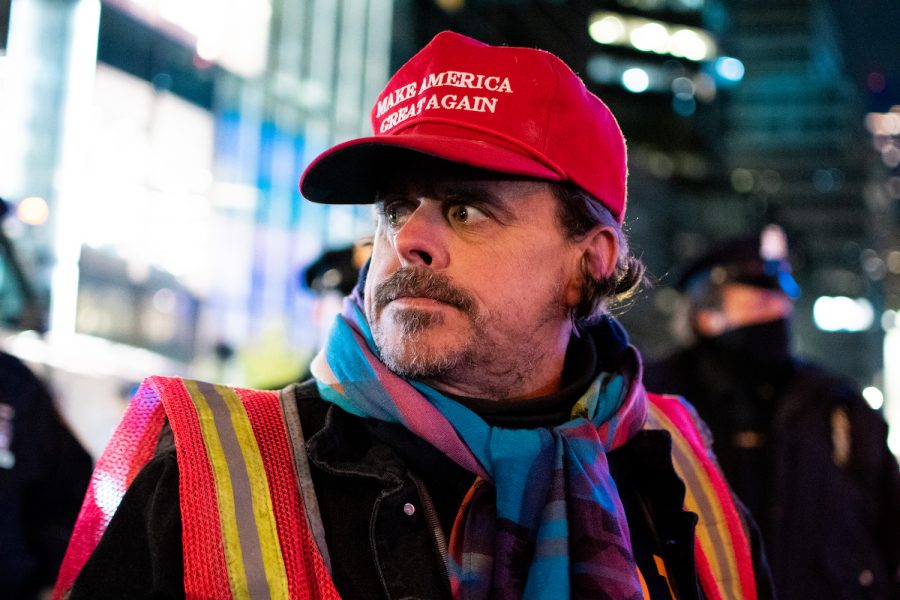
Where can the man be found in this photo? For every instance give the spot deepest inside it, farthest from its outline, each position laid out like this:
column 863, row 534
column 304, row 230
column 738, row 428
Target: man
column 799, row 445
column 477, row 426
column 44, row 472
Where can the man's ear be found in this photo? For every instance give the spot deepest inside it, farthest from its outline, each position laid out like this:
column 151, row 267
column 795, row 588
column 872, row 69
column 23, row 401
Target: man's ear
column 598, row 254
column 601, row 251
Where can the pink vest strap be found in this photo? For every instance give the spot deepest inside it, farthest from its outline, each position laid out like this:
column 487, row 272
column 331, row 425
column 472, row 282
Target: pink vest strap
column 245, row 532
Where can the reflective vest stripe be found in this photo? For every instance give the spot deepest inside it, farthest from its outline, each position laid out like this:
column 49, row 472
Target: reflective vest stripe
column 205, row 564
column 307, row 575
column 251, row 545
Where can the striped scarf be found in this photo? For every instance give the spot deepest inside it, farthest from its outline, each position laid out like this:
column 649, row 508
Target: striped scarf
column 544, row 518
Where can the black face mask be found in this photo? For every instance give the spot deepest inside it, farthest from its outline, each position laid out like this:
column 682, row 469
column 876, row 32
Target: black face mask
column 760, row 346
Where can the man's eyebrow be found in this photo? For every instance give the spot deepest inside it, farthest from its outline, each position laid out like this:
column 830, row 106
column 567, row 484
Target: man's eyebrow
column 382, row 196
column 473, row 192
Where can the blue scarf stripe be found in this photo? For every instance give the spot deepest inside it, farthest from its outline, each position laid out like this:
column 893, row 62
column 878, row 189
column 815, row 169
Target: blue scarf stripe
column 554, row 528
column 544, row 580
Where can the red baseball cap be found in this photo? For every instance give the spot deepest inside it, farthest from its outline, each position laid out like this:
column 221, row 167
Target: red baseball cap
column 509, row 110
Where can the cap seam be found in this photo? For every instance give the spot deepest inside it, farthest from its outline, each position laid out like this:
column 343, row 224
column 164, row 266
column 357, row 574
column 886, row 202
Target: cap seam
column 549, row 117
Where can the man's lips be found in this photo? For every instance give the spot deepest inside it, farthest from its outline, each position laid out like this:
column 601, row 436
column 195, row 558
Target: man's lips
column 419, row 300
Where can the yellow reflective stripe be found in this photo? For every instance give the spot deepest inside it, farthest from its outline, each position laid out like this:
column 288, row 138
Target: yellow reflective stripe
column 661, row 569
column 712, row 521
column 263, row 511
column 645, row 592
column 234, row 560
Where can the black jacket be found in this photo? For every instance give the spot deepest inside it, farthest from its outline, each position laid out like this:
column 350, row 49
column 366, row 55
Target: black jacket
column 810, row 458
column 44, row 472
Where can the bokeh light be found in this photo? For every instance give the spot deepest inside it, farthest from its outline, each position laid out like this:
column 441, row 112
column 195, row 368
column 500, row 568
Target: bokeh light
column 33, row 210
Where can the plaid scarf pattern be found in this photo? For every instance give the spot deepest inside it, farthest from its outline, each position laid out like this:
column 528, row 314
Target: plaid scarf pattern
column 544, row 518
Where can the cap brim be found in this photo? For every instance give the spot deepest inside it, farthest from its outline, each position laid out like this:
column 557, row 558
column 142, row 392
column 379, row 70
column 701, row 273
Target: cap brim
column 350, row 173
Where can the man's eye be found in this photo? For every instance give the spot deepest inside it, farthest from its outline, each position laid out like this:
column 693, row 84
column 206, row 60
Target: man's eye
column 466, row 214
column 394, row 213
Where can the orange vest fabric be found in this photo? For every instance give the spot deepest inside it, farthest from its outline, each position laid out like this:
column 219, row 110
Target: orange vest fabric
column 247, row 527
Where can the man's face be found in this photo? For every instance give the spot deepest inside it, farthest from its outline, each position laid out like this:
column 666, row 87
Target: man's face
column 470, row 282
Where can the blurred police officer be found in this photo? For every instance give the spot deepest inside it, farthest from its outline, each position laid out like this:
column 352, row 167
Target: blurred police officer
column 331, row 277
column 44, row 472
column 798, row 444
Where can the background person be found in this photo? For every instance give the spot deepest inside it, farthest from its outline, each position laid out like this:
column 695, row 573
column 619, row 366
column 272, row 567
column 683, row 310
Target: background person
column 331, row 277
column 798, row 444
column 44, row 472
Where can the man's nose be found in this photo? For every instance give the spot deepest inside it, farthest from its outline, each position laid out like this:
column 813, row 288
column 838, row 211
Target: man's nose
column 422, row 239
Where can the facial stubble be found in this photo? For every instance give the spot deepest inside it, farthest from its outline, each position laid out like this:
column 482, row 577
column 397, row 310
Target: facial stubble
column 406, row 350
column 494, row 360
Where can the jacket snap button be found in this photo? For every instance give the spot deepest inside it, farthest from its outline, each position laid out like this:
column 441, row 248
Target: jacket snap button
column 866, row 578
column 409, row 509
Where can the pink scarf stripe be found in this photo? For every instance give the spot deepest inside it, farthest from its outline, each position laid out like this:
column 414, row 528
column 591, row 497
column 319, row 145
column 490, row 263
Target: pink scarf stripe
column 419, row 415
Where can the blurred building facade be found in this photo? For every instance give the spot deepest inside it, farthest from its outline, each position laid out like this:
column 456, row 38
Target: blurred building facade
column 163, row 141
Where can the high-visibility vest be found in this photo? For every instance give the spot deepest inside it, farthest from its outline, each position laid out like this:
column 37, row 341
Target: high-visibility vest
column 249, row 514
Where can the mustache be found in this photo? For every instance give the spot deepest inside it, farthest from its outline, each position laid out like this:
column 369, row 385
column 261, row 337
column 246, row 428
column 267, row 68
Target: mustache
column 423, row 283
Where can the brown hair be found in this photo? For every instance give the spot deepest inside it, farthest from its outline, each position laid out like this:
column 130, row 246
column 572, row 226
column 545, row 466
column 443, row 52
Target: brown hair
column 578, row 213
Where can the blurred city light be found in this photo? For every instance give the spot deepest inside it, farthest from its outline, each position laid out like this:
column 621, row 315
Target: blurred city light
column 742, row 180
column 892, row 384
column 729, row 68
column 647, row 35
column 688, row 43
column 828, row 180
column 890, row 156
column 231, row 33
column 676, row 5
column 874, row 397
column 661, row 78
column 636, row 80
column 894, row 441
column 886, row 124
column 840, row 313
column 608, row 30
column 893, row 262
column 876, row 82
column 33, row 211
column 650, row 37
column 684, row 105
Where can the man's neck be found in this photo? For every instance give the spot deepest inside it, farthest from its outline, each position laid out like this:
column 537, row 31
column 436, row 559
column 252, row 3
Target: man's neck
column 581, row 368
column 508, row 379
column 575, row 362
